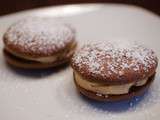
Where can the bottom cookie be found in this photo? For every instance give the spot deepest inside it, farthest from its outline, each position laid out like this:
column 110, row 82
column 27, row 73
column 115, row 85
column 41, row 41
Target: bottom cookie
column 28, row 64
column 134, row 91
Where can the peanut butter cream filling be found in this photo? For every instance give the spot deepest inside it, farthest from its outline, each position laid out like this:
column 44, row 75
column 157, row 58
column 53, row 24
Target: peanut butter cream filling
column 101, row 88
column 49, row 59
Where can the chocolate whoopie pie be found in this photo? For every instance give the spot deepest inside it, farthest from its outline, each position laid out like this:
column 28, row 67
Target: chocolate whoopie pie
column 39, row 43
column 106, row 72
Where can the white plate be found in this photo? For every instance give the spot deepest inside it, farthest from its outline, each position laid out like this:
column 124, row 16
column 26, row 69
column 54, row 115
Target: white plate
column 51, row 95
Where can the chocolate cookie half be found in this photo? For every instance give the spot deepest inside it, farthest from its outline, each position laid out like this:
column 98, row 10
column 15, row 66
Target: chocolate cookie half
column 107, row 72
column 39, row 43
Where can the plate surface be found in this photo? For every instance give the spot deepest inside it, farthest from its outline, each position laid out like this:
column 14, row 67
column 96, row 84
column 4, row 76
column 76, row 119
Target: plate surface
column 51, row 94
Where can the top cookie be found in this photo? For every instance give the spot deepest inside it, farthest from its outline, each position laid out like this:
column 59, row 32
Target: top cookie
column 38, row 37
column 105, row 62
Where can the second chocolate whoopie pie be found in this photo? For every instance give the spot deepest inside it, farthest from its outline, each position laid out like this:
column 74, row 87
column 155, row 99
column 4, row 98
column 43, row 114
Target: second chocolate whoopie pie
column 106, row 72
column 38, row 42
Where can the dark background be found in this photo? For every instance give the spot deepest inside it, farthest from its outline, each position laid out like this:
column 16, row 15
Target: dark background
column 10, row 6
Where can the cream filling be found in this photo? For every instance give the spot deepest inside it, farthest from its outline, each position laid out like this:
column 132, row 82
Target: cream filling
column 45, row 59
column 52, row 58
column 105, row 89
column 39, row 59
column 49, row 59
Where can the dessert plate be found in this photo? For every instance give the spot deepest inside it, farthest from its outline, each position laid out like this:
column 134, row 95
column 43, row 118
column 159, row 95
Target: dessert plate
column 50, row 94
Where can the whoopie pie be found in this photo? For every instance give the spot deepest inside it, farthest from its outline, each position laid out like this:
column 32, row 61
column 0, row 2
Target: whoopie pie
column 107, row 72
column 38, row 42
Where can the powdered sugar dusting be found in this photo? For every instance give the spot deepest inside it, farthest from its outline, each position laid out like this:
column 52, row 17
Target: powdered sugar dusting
column 107, row 59
column 39, row 35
